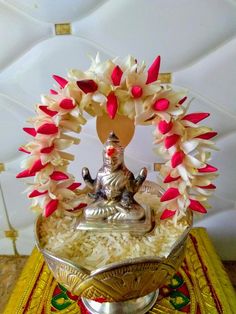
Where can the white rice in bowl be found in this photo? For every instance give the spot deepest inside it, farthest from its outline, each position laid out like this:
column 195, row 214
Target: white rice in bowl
column 92, row 249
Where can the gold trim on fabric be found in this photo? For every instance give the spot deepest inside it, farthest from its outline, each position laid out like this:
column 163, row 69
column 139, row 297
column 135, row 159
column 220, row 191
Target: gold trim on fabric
column 218, row 277
column 41, row 291
column 25, row 284
column 63, row 29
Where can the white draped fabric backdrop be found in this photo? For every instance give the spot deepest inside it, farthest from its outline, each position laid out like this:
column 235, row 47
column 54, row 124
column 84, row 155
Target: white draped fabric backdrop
column 197, row 42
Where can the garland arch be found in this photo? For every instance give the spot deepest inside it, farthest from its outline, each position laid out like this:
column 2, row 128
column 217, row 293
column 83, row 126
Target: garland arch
column 123, row 87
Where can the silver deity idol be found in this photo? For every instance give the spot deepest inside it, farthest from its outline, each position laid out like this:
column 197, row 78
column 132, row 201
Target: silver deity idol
column 113, row 206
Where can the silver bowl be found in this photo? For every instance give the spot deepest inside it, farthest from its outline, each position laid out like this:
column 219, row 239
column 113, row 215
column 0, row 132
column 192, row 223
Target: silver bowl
column 130, row 286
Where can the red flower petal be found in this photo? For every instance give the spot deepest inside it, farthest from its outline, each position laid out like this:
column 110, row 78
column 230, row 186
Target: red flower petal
column 177, row 159
column 161, row 104
column 208, row 187
column 207, row 136
column 170, row 194
column 36, row 193
column 182, row 100
column 37, row 166
column 167, row 214
column 58, row 176
column 164, row 127
column 47, row 150
column 207, row 168
column 100, row 300
column 30, row 131
column 47, row 129
column 116, row 75
column 153, row 71
column 60, row 80
column 196, row 117
column 51, row 207
column 25, row 174
column 22, row 149
column 74, row 186
column 80, row 206
column 49, row 112
column 67, row 103
column 87, row 86
column 136, row 91
column 197, row 206
column 112, row 105
column 53, row 92
column 171, row 140
column 169, row 179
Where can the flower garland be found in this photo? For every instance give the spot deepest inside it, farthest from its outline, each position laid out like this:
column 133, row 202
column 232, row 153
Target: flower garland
column 125, row 88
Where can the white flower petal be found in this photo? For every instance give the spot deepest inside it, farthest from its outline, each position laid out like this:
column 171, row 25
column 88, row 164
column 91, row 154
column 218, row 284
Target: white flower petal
column 98, row 97
column 183, row 173
column 193, row 162
column 189, row 146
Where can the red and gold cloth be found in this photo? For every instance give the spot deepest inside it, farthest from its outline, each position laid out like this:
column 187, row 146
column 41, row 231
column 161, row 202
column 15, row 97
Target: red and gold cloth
column 200, row 286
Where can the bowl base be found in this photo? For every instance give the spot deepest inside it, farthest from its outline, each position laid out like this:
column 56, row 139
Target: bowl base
column 138, row 306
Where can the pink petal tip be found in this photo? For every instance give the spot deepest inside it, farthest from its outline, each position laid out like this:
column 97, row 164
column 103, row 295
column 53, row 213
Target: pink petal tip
column 67, row 104
column 207, row 136
column 116, row 75
column 171, row 140
column 153, row 71
column 36, row 193
column 196, row 117
column 161, row 104
column 51, row 207
column 80, row 206
column 23, row 150
column 208, row 187
column 177, row 159
column 170, row 194
column 49, row 112
column 37, row 166
column 167, row 214
column 74, row 186
column 182, row 100
column 207, row 168
column 53, row 92
column 25, row 174
column 87, row 86
column 58, row 176
column 136, row 91
column 164, row 127
column 169, row 179
column 197, row 206
column 47, row 129
column 47, row 150
column 60, row 80
column 112, row 105
column 30, row 131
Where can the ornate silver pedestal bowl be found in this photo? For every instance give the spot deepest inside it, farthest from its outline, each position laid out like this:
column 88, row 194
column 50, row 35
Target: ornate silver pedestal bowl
column 130, row 286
